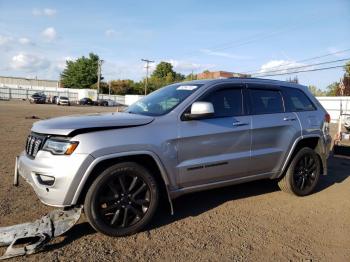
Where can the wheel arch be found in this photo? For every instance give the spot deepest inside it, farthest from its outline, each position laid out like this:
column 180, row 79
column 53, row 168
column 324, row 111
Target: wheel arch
column 145, row 158
column 314, row 142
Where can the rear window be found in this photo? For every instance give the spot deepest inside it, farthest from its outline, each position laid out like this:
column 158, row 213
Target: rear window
column 296, row 100
column 266, row 101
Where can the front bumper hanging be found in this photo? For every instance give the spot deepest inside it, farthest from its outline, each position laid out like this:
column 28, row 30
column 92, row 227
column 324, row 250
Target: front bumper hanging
column 34, row 236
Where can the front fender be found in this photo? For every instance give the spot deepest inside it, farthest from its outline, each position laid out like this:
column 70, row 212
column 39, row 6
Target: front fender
column 74, row 196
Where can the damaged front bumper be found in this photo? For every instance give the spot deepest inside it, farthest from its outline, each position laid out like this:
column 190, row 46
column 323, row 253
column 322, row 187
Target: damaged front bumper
column 54, row 178
column 29, row 238
column 34, row 236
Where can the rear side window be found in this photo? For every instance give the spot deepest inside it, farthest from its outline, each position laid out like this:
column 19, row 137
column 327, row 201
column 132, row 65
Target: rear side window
column 296, row 100
column 226, row 102
column 266, row 101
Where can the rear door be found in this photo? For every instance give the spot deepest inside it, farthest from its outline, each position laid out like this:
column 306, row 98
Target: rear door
column 297, row 101
column 273, row 129
column 216, row 148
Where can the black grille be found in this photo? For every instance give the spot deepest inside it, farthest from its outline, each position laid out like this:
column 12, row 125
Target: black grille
column 34, row 144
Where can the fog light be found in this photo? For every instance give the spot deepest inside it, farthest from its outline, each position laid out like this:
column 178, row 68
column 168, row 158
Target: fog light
column 45, row 180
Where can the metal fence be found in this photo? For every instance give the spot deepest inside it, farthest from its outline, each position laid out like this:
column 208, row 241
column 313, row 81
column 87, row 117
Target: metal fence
column 335, row 104
column 25, row 94
column 116, row 98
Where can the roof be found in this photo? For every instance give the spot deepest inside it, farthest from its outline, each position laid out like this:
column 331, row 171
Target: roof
column 242, row 79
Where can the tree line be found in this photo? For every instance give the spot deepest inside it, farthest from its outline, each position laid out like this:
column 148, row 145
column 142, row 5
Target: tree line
column 82, row 73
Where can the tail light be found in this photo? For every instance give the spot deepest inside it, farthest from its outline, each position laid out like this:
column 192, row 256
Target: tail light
column 327, row 118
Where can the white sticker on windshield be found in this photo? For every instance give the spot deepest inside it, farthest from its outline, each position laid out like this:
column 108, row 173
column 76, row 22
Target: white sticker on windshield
column 188, row 88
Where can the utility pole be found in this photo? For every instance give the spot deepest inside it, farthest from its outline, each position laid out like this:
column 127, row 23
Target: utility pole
column 99, row 65
column 147, row 67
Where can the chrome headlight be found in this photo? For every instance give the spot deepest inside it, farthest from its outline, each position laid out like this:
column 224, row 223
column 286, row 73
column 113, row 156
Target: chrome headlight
column 60, row 147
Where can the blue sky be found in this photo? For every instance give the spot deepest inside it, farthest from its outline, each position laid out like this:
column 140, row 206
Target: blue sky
column 36, row 37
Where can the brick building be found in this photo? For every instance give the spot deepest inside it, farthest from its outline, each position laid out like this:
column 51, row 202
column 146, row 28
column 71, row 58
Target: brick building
column 219, row 74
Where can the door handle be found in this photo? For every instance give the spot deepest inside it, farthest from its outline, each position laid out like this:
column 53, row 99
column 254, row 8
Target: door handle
column 289, row 119
column 238, row 123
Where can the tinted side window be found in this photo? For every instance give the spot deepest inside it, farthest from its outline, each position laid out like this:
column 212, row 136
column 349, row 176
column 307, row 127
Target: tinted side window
column 226, row 102
column 266, row 101
column 296, row 100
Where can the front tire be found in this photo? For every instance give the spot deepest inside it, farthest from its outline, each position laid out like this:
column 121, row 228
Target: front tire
column 303, row 173
column 122, row 200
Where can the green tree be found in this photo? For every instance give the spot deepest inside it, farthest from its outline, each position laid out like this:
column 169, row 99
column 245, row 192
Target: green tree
column 164, row 74
column 315, row 91
column 332, row 89
column 104, row 88
column 190, row 77
column 162, row 70
column 127, row 86
column 81, row 73
column 347, row 69
column 293, row 80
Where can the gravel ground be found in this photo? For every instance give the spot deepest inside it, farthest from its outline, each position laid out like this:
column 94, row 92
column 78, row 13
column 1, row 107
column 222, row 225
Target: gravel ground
column 248, row 222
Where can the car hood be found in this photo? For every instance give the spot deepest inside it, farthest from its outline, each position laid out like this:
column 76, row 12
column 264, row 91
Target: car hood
column 77, row 124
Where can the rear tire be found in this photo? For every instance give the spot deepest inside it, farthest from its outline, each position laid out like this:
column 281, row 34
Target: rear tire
column 302, row 174
column 122, row 200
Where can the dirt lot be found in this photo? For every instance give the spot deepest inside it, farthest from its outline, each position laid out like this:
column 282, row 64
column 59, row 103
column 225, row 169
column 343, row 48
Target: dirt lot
column 249, row 222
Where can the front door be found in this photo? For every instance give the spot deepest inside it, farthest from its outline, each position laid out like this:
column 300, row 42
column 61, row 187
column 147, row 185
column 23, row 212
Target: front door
column 216, row 148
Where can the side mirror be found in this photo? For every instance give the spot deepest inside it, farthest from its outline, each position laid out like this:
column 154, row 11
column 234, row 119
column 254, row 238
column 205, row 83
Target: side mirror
column 200, row 110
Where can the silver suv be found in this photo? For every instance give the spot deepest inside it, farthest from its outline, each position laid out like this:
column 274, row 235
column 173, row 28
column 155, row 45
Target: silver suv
column 183, row 138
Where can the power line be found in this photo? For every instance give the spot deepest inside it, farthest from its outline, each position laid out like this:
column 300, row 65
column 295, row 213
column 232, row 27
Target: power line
column 303, row 60
column 302, row 71
column 257, row 37
column 298, row 67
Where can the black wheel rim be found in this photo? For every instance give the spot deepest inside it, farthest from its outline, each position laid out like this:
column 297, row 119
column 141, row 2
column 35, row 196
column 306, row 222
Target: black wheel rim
column 123, row 200
column 305, row 172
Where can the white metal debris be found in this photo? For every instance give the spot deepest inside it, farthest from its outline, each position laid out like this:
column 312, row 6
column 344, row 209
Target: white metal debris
column 32, row 237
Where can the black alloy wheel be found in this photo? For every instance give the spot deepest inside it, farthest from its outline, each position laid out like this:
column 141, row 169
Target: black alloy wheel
column 302, row 174
column 305, row 172
column 122, row 199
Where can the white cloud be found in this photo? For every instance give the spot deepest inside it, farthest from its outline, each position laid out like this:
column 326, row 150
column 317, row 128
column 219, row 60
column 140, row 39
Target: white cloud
column 29, row 62
column 61, row 63
column 335, row 52
column 5, row 39
column 44, row 12
column 224, row 54
column 279, row 66
column 110, row 32
column 49, row 34
column 186, row 66
column 24, row 41
column 49, row 12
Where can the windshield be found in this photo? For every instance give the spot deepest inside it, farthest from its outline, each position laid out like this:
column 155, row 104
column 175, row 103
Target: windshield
column 64, row 97
column 163, row 100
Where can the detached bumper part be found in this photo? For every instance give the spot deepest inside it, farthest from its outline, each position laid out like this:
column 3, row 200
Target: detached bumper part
column 38, row 233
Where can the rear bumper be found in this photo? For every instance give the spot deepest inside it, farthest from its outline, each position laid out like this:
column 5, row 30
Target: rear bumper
column 53, row 178
column 324, row 148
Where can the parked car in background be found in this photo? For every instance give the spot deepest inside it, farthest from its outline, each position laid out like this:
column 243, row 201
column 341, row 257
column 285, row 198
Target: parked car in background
column 38, row 98
column 63, row 100
column 347, row 123
column 183, row 138
column 101, row 102
column 54, row 100
column 113, row 103
column 86, row 101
